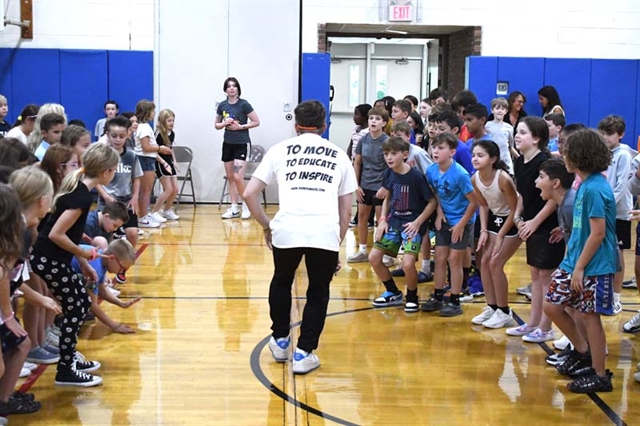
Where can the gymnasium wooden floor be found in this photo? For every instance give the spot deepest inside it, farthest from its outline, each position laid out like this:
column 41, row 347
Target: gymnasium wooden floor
column 199, row 354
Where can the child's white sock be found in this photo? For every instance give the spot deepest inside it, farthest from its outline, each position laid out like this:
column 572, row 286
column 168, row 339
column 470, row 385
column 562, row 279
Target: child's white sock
column 234, row 207
column 426, row 266
column 616, row 297
column 362, row 247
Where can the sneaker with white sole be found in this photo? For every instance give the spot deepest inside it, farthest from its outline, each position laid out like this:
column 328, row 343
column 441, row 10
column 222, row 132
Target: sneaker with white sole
column 561, row 343
column 388, row 261
column 230, row 214
column 24, row 372
column 525, row 291
column 280, row 348
column 304, row 362
column 617, row 308
column 387, row 299
column 633, row 325
column 147, row 222
column 157, row 216
column 499, row 319
column 170, row 215
column 539, row 336
column 520, row 330
column 487, row 312
column 359, row 257
column 559, row 358
column 246, row 214
column 631, row 284
column 81, row 363
column 40, row 356
column 29, row 365
column 72, row 377
column 52, row 339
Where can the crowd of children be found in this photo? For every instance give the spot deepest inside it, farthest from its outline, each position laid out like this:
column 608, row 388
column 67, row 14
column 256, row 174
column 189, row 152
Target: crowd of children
column 55, row 251
column 483, row 183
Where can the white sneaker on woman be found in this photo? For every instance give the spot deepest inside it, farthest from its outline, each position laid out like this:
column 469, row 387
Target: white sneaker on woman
column 158, row 217
column 170, row 215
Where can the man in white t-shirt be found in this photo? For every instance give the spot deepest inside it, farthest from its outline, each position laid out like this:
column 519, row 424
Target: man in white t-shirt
column 316, row 182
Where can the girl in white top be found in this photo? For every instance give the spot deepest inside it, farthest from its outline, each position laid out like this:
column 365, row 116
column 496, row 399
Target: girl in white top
column 147, row 150
column 24, row 124
column 498, row 198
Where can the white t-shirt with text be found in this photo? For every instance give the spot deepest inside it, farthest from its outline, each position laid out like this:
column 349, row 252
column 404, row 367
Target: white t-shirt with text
column 311, row 174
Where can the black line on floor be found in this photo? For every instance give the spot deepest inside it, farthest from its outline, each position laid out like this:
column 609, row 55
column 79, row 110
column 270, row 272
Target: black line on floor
column 608, row 411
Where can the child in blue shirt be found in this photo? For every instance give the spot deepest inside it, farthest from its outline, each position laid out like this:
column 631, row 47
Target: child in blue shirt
column 584, row 280
column 119, row 256
column 454, row 222
column 449, row 122
column 403, row 222
column 556, row 123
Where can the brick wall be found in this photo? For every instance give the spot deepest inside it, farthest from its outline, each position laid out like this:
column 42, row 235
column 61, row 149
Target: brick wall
column 322, row 38
column 459, row 45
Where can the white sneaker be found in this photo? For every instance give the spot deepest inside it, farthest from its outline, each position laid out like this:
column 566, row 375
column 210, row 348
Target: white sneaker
column 52, row 339
column 486, row 313
column 147, row 222
column 25, row 372
column 230, row 214
column 499, row 319
column 157, row 216
column 29, row 365
column 387, row 261
column 539, row 336
column 280, row 348
column 561, row 343
column 359, row 257
column 113, row 291
column 633, row 325
column 170, row 215
column 304, row 362
column 246, row 214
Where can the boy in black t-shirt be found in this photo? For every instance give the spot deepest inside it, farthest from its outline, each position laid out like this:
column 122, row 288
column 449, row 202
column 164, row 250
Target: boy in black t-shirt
column 407, row 206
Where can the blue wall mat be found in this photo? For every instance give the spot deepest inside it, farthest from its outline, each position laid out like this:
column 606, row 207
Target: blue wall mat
column 635, row 137
column 481, row 76
column 35, row 77
column 83, row 84
column 316, row 71
column 572, row 79
column 5, row 84
column 613, row 90
column 525, row 75
column 130, row 77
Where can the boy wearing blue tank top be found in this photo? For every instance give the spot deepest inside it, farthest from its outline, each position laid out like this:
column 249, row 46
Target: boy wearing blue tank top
column 407, row 205
column 457, row 205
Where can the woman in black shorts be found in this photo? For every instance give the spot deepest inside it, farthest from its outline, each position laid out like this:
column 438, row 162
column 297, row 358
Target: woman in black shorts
column 236, row 116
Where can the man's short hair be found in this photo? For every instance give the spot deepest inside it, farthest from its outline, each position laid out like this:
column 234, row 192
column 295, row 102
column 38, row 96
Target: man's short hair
column 451, row 118
column 122, row 250
column 310, row 114
column 117, row 121
column 556, row 119
column 404, row 105
column 380, row 112
column 116, row 211
column 477, row 110
column 49, row 120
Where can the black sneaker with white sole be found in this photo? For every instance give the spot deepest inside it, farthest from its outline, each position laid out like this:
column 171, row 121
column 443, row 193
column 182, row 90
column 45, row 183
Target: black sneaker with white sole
column 71, row 377
column 591, row 382
column 576, row 364
column 560, row 357
column 81, row 364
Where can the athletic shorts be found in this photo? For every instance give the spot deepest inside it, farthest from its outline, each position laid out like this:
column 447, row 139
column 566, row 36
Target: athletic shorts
column 393, row 239
column 623, row 234
column 542, row 254
column 443, row 237
column 161, row 171
column 232, row 152
column 596, row 295
column 148, row 164
column 495, row 225
column 370, row 199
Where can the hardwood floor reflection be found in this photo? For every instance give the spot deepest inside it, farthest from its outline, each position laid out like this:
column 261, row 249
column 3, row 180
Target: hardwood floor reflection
column 199, row 355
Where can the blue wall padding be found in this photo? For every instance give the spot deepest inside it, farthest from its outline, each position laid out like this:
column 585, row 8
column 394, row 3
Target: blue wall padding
column 483, row 80
column 525, row 75
column 316, row 77
column 635, row 137
column 5, row 83
column 35, row 77
column 84, row 84
column 130, row 77
column 613, row 91
column 572, row 79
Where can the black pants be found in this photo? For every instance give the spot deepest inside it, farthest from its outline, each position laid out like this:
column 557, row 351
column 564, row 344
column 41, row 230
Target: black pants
column 321, row 266
column 68, row 289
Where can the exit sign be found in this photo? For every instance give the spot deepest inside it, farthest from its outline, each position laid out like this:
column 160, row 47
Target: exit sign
column 401, row 13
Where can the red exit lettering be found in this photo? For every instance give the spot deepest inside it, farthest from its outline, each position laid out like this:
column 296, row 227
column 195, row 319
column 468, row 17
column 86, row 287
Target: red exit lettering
column 400, row 13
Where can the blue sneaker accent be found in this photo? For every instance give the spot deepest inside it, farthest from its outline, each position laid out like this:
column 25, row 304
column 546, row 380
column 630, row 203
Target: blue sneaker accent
column 280, row 348
column 299, row 356
column 388, row 299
